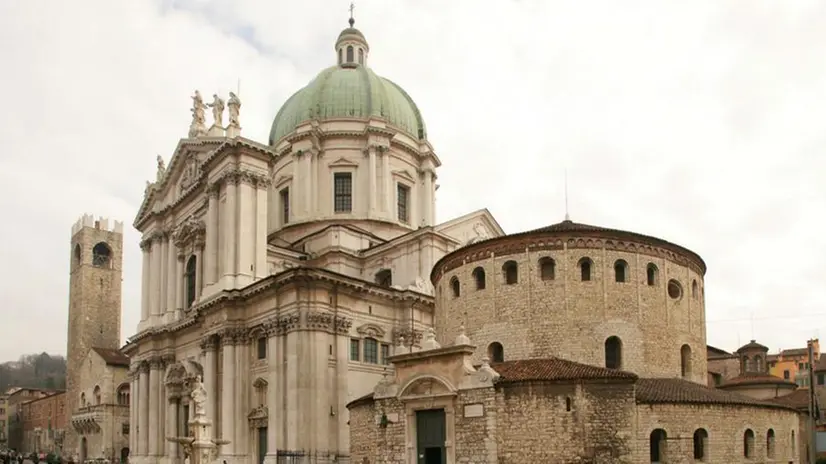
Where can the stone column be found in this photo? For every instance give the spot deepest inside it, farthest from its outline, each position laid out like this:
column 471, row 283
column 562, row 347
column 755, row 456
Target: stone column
column 389, row 192
column 172, row 278
column 146, row 246
column 308, row 182
column 199, row 270
column 342, row 338
column 292, row 392
column 133, row 411
column 154, row 402
column 228, row 391
column 209, row 346
column 242, row 387
column 262, row 189
column 297, row 200
column 229, row 228
column 172, row 423
column 211, row 255
column 274, row 419
column 179, row 272
column 163, row 274
column 427, row 197
column 371, row 185
column 143, row 409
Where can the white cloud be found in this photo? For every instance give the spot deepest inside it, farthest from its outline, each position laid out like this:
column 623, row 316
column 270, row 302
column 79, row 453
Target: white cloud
column 698, row 122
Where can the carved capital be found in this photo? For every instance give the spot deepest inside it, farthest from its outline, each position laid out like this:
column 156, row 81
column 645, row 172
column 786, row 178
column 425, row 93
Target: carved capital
column 406, row 336
column 272, row 327
column 290, row 322
column 167, row 360
column 343, row 325
column 188, row 231
column 232, row 336
column 213, row 189
column 143, row 367
column 156, row 362
column 210, row 342
column 321, row 320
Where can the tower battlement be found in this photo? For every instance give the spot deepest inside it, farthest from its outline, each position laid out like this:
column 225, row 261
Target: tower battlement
column 101, row 223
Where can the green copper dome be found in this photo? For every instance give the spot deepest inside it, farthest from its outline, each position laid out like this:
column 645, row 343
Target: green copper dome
column 349, row 91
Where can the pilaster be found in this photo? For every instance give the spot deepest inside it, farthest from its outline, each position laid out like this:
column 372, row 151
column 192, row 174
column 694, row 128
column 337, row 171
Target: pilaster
column 209, row 347
column 228, row 381
column 179, row 293
column 143, row 409
column 372, row 179
column 246, row 229
column 229, row 228
column 211, row 255
column 388, row 193
column 242, row 387
column 172, row 279
column 263, row 184
column 154, row 405
column 146, row 247
column 275, row 365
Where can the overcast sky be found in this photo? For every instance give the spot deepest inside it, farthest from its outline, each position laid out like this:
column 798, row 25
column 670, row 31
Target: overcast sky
column 700, row 122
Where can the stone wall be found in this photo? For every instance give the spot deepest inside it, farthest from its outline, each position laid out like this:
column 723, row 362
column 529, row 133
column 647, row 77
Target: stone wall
column 570, row 318
column 726, row 366
column 476, row 439
column 725, row 426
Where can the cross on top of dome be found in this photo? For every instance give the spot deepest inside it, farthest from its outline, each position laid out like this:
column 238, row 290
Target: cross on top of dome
column 351, row 46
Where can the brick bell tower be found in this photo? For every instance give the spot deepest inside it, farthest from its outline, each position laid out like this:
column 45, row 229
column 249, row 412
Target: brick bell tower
column 95, row 276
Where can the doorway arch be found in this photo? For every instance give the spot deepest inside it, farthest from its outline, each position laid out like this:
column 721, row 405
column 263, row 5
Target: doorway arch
column 83, row 450
column 124, row 455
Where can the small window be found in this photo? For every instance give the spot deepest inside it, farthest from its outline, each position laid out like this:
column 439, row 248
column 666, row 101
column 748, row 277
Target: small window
column 657, row 444
column 770, row 444
column 685, row 361
column 694, row 289
column 585, row 265
column 355, row 350
column 190, row 280
column 496, row 352
column 455, row 286
column 384, row 278
column 547, row 268
column 403, row 203
column 343, row 192
column 101, row 255
column 340, row 56
column 371, row 351
column 510, row 271
column 651, row 272
column 786, row 375
column 361, row 56
column 700, row 444
column 748, row 444
column 620, row 271
column 261, row 347
column 613, row 353
column 385, row 353
column 479, row 278
column 569, row 403
column 349, row 53
column 284, row 194
column 675, row 290
column 77, row 255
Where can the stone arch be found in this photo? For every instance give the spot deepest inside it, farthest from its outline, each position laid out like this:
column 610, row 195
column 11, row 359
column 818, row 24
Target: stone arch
column 260, row 385
column 77, row 255
column 586, row 269
column 96, row 394
column 496, row 352
column 123, row 393
column 621, row 271
column 102, row 255
column 479, row 278
column 426, row 385
column 455, row 287
column 510, row 272
column 685, row 361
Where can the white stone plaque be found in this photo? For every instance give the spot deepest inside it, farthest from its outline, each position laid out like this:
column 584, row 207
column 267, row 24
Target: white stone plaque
column 474, row 410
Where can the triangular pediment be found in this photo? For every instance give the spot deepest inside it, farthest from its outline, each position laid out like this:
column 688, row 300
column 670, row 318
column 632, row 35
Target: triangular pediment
column 471, row 227
column 406, row 175
column 343, row 162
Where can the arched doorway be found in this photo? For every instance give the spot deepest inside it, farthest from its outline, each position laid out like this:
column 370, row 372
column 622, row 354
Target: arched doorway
column 124, row 455
column 83, row 450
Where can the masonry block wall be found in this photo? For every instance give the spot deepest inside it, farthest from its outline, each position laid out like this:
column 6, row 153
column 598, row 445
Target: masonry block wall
column 557, row 313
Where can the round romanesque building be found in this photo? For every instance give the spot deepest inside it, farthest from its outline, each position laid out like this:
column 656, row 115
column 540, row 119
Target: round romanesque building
column 588, row 294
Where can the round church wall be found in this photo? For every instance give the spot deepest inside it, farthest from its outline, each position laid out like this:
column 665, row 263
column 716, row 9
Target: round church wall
column 600, row 297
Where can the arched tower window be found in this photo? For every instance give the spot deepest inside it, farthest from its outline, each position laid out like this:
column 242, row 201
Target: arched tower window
column 496, row 352
column 83, row 400
column 685, row 361
column 123, row 395
column 97, row 394
column 510, row 271
column 547, row 268
column 656, row 445
column 620, row 271
column 101, row 255
column 361, row 56
column 479, row 278
column 76, row 255
column 349, row 53
column 759, row 364
column 189, row 279
column 613, row 353
column 455, row 286
column 770, row 444
column 748, row 444
column 340, row 56
column 651, row 274
column 694, row 289
column 585, row 265
column 700, row 444
column 384, row 278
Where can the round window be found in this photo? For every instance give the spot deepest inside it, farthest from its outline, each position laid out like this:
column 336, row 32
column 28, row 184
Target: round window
column 675, row 291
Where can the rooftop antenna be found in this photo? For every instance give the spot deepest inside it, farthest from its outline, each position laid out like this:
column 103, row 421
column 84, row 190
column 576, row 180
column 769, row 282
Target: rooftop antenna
column 567, row 216
column 352, row 7
column 238, row 88
column 752, row 325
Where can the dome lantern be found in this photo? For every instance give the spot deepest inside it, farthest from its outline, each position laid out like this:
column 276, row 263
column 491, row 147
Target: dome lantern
column 351, row 47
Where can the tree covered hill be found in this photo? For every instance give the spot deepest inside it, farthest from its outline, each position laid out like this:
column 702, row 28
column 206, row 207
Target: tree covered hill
column 34, row 371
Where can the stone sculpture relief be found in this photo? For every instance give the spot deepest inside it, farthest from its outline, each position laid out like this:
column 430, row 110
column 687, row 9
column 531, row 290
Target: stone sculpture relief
column 421, row 285
column 198, row 125
column 234, row 105
column 161, row 169
column 198, row 396
column 217, row 106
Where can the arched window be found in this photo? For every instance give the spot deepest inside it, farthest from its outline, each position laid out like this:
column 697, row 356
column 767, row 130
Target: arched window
column 96, row 392
column 361, row 56
column 510, row 271
column 340, row 56
column 685, row 361
column 455, row 286
column 748, row 443
column 613, row 352
column 189, row 280
column 651, row 274
column 759, row 365
column 585, row 265
column 794, row 445
column 694, row 290
column 371, row 351
column 76, row 255
column 349, row 53
column 384, row 278
column 479, row 278
column 620, row 271
column 770, row 444
column 261, row 386
column 101, row 255
column 83, row 400
column 547, row 268
column 123, row 395
column 496, row 352
column 656, row 444
column 569, row 403
column 700, row 445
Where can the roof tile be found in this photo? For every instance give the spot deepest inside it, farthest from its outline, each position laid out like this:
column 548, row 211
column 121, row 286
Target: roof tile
column 679, row 391
column 556, row 369
column 112, row 357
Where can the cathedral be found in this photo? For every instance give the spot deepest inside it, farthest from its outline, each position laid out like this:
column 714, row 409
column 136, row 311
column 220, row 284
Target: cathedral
column 286, row 274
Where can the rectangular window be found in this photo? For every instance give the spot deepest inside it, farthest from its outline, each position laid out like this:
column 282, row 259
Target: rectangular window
column 125, row 429
column 402, row 202
column 355, row 354
column 343, row 191
column 786, row 374
column 262, row 347
column 371, row 351
column 285, row 205
column 820, row 378
column 385, row 353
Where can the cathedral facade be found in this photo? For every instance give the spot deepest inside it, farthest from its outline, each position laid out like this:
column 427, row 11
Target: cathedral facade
column 286, row 274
